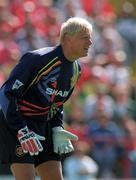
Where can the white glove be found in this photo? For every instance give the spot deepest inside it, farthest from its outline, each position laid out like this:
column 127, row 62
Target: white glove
column 61, row 140
column 30, row 141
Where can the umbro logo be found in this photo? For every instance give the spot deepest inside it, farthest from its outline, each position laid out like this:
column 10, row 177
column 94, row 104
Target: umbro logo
column 17, row 84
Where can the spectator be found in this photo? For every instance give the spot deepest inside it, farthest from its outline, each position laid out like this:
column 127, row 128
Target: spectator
column 80, row 166
column 105, row 136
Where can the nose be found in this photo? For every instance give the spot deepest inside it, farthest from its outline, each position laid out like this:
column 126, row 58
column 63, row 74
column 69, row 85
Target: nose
column 90, row 42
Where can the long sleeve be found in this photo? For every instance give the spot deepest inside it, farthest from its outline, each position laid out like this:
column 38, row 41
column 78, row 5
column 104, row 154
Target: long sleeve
column 57, row 120
column 12, row 90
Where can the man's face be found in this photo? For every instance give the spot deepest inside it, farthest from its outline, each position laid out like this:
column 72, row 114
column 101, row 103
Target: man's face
column 80, row 44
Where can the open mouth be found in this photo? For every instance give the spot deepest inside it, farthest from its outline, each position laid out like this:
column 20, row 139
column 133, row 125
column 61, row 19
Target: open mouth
column 86, row 49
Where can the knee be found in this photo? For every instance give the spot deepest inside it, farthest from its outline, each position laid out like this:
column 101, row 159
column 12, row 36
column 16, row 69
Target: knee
column 23, row 171
column 24, row 176
column 28, row 176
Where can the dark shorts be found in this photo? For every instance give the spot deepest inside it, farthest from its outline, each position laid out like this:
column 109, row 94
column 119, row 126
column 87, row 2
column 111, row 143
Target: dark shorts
column 11, row 151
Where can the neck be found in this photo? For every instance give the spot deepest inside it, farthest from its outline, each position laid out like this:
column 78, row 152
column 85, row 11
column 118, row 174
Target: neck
column 68, row 54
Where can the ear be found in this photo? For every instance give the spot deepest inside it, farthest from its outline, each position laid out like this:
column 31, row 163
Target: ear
column 67, row 37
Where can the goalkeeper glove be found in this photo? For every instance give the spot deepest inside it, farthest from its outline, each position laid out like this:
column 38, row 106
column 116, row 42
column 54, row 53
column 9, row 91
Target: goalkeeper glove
column 30, row 141
column 61, row 140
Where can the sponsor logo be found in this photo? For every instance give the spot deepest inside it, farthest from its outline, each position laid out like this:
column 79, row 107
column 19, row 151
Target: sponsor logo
column 17, row 84
column 51, row 91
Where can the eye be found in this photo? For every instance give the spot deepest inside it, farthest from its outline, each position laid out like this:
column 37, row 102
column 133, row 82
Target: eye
column 86, row 37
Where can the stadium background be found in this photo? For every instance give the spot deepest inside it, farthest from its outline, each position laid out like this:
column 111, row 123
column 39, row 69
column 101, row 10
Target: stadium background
column 105, row 97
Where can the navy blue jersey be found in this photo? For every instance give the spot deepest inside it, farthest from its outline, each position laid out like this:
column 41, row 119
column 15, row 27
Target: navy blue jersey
column 38, row 86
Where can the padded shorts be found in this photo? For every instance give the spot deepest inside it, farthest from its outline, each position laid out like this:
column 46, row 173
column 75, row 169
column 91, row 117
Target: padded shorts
column 10, row 148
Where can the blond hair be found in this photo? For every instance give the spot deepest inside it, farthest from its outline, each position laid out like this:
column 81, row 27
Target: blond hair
column 73, row 26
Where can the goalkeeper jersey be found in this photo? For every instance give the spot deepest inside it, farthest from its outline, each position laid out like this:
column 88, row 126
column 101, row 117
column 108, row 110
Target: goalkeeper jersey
column 38, row 86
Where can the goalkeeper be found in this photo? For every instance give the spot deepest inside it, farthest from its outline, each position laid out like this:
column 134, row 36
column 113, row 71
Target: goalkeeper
column 32, row 136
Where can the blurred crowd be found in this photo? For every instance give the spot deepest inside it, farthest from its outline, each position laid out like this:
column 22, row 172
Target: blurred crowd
column 102, row 109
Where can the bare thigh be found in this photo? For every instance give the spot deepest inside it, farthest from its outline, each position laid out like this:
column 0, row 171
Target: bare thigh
column 50, row 170
column 23, row 171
